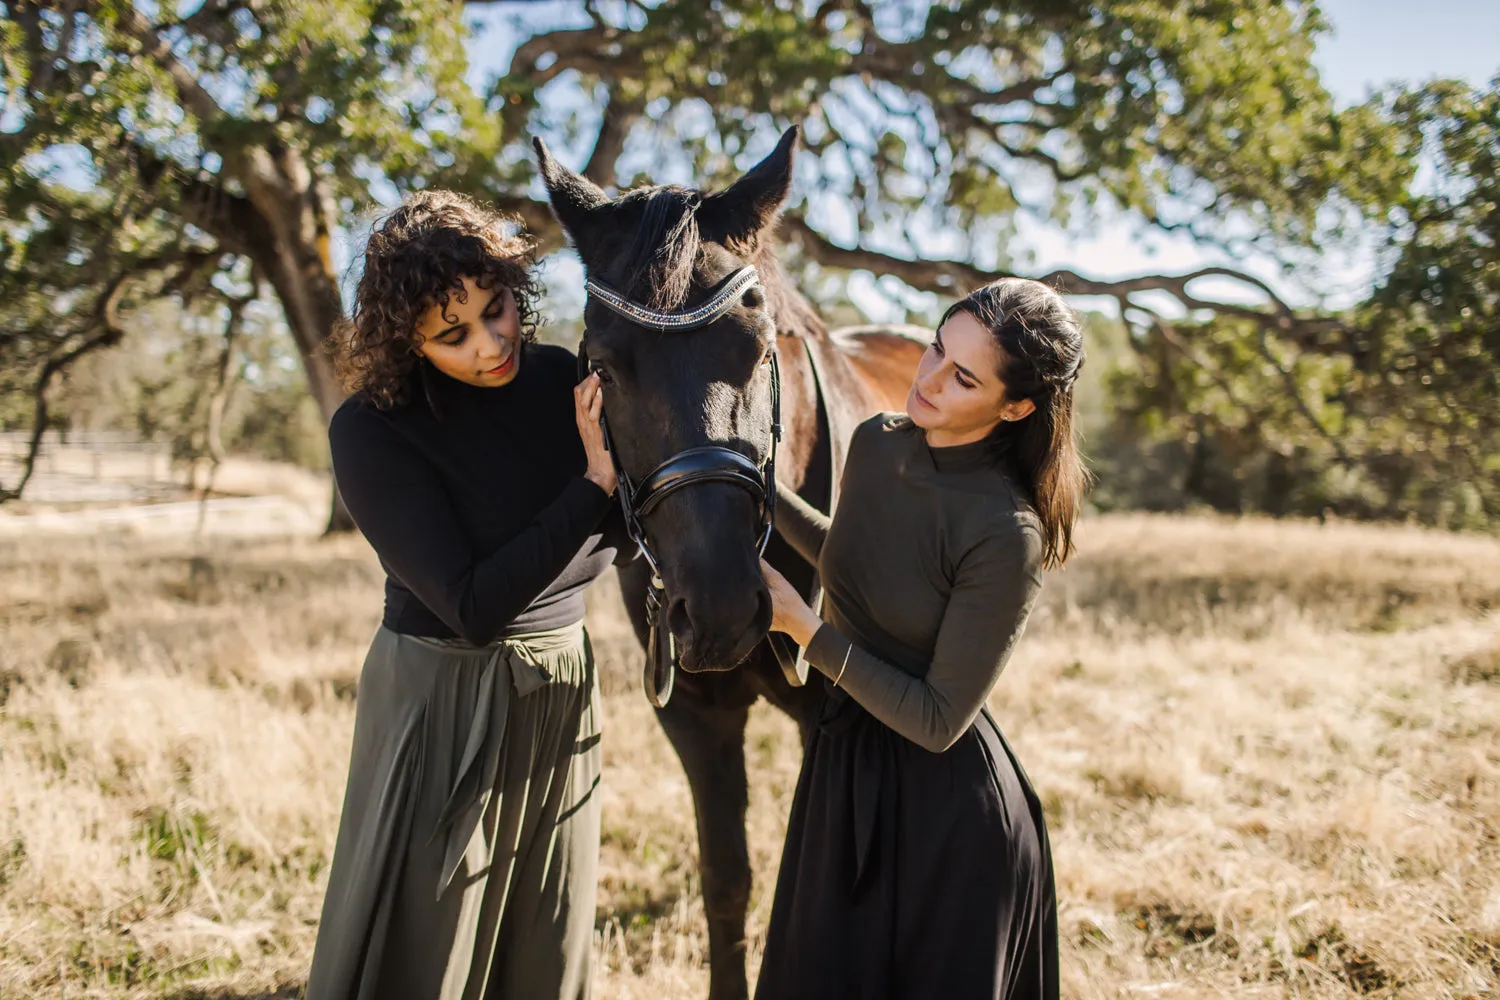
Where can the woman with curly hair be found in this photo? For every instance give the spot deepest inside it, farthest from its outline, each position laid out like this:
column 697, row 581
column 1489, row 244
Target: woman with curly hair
column 466, row 854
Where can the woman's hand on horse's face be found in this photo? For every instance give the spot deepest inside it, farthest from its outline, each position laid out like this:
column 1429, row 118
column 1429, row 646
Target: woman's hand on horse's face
column 588, row 405
column 789, row 612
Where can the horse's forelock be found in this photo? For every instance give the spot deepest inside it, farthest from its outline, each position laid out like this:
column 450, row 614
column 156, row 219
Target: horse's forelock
column 665, row 249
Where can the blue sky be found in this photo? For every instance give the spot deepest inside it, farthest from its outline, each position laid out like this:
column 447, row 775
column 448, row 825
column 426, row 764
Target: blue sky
column 1374, row 42
column 1378, row 41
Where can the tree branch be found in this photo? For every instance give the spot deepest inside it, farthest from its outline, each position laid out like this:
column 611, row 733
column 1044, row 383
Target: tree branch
column 595, row 50
column 106, row 330
column 1168, row 334
column 619, row 114
column 893, row 63
column 1289, row 381
column 227, row 217
column 1023, row 90
column 210, row 21
column 224, row 383
column 941, row 276
column 950, row 276
column 197, row 100
column 947, row 276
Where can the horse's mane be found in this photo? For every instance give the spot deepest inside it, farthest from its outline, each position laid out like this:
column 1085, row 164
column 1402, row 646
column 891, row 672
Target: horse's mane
column 666, row 249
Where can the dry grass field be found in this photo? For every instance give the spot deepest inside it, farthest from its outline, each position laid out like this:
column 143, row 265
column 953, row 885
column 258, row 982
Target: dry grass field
column 1270, row 757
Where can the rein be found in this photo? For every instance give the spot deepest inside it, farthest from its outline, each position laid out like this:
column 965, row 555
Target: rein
column 710, row 463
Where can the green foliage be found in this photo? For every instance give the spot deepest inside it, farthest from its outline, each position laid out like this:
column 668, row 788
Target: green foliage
column 1405, row 384
column 366, row 92
column 148, row 147
column 169, row 836
column 72, row 273
column 1205, row 114
column 181, row 150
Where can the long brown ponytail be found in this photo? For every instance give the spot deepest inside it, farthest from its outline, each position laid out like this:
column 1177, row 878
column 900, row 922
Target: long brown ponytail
column 1041, row 351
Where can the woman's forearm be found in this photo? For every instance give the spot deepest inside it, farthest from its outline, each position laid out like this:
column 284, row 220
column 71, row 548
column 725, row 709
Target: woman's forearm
column 804, row 526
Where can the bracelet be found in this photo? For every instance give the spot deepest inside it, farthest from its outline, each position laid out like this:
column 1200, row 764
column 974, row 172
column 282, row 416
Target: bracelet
column 847, row 650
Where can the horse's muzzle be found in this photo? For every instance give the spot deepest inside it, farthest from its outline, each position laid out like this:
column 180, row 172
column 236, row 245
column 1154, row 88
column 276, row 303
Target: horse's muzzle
column 713, row 643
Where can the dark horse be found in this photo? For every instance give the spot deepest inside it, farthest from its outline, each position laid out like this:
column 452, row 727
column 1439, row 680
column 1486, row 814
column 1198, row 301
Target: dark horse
column 673, row 250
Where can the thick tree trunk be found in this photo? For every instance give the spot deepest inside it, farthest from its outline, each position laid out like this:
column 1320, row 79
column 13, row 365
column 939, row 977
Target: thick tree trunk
column 292, row 247
column 310, row 298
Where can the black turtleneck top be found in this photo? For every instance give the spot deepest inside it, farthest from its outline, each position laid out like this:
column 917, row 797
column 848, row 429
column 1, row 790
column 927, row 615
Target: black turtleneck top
column 930, row 567
column 475, row 501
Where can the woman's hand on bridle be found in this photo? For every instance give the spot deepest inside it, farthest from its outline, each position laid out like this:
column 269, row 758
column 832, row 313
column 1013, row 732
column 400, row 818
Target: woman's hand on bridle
column 588, row 405
column 789, row 612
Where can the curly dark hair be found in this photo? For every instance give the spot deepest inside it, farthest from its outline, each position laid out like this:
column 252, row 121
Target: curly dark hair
column 418, row 256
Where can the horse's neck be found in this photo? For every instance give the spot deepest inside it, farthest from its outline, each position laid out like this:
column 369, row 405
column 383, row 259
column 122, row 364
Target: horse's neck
column 814, row 369
column 823, row 401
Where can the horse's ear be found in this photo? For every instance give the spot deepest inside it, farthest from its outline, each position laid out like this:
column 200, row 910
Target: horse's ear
column 748, row 206
column 573, row 196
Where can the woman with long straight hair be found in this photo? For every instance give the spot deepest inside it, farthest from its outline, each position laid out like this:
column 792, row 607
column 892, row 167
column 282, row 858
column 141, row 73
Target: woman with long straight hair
column 916, row 862
column 466, row 856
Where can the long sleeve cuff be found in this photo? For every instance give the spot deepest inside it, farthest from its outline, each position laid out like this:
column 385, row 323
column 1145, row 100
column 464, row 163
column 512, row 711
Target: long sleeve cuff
column 829, row 650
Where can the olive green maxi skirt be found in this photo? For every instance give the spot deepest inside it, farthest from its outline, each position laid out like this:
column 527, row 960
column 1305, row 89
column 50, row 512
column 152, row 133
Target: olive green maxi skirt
column 468, row 847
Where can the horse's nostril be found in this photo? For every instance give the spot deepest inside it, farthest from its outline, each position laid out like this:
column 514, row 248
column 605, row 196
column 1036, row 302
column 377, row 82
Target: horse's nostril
column 677, row 616
column 763, row 611
column 715, row 631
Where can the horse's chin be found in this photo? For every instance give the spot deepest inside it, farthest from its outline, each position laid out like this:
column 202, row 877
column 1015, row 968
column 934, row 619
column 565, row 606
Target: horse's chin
column 704, row 667
column 707, row 658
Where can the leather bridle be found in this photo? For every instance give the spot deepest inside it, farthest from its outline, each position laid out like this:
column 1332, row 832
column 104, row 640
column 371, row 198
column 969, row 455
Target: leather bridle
column 706, row 464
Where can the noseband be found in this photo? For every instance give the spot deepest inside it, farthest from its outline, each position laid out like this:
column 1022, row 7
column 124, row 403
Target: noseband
column 707, row 464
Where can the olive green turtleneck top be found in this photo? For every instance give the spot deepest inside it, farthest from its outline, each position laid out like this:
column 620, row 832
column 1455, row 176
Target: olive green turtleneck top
column 930, row 567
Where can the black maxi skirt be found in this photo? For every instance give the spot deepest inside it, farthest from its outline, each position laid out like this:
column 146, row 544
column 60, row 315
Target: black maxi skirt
column 909, row 874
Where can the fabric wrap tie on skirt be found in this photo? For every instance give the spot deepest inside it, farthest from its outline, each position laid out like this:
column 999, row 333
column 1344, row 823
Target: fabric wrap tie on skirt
column 872, row 803
column 514, row 666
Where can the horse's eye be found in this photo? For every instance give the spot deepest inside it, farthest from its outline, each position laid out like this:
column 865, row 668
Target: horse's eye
column 753, row 298
column 605, row 378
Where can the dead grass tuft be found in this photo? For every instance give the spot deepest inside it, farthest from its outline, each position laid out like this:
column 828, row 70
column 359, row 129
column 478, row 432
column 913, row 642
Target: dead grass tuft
column 1269, row 755
column 1479, row 666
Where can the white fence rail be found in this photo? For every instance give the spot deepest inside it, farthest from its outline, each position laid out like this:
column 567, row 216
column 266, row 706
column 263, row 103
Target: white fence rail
column 112, row 483
column 90, row 467
column 247, row 516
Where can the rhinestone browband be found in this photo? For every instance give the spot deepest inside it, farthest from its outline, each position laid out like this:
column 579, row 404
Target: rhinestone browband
column 738, row 284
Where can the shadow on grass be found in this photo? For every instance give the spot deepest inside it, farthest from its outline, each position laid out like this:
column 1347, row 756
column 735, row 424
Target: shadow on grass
column 286, row 992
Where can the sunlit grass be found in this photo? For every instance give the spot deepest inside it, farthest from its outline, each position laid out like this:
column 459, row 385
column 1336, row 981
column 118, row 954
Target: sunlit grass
column 1269, row 752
